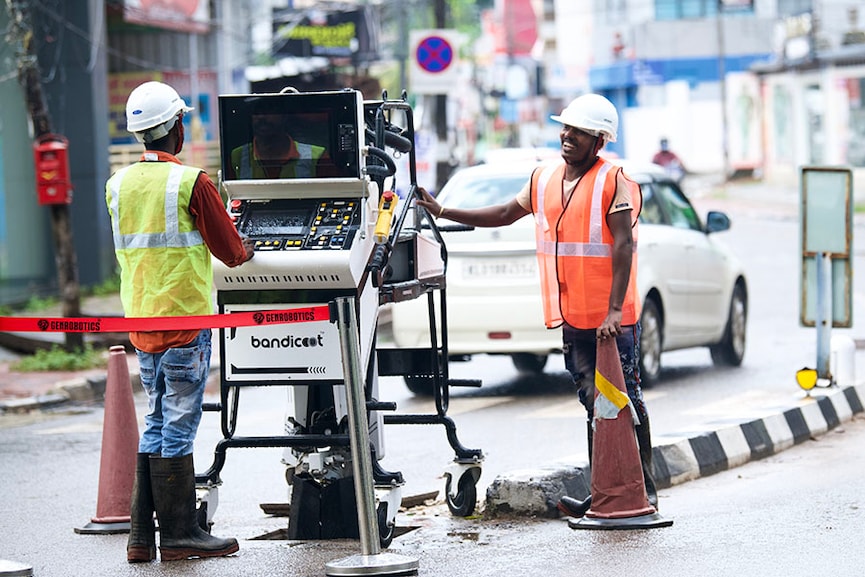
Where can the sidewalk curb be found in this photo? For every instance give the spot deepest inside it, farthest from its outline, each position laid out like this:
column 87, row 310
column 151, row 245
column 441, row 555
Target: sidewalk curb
column 535, row 493
column 82, row 390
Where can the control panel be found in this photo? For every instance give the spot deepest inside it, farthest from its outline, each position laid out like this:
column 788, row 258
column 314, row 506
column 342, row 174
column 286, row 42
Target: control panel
column 297, row 224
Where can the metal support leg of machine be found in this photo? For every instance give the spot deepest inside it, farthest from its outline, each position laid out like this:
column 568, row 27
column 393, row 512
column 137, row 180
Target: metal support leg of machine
column 371, row 561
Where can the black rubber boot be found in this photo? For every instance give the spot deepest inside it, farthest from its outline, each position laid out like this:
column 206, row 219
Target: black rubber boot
column 644, row 440
column 574, row 507
column 141, row 546
column 180, row 536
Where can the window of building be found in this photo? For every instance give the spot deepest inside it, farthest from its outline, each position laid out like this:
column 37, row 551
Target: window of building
column 613, row 11
column 693, row 9
column 685, row 9
column 791, row 7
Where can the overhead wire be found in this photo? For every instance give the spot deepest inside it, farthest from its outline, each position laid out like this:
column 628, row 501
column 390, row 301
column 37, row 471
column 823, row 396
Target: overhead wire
column 95, row 42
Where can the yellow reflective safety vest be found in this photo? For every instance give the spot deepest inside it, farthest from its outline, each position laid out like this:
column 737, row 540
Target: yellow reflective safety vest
column 247, row 166
column 165, row 267
column 575, row 246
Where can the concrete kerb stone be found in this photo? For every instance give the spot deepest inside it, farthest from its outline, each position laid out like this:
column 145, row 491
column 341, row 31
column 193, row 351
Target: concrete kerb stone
column 27, row 404
column 675, row 463
column 735, row 445
column 535, row 493
column 82, row 390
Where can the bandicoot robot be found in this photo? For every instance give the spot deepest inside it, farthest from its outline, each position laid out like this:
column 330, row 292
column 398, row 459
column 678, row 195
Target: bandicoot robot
column 309, row 178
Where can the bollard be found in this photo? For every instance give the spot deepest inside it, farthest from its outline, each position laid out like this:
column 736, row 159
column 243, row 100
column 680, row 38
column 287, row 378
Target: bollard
column 842, row 364
column 371, row 561
column 13, row 569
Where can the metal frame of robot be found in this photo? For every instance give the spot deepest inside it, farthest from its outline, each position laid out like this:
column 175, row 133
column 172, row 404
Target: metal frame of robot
column 461, row 496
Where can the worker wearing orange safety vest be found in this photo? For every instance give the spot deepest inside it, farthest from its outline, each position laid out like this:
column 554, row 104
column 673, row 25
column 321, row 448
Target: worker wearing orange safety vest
column 575, row 249
column 585, row 212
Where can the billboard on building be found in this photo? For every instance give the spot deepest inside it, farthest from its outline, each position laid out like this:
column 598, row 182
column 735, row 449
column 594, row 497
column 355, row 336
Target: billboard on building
column 181, row 15
column 351, row 33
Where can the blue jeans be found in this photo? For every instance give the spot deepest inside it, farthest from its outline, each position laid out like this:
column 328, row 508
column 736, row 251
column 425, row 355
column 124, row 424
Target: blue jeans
column 174, row 381
column 580, row 352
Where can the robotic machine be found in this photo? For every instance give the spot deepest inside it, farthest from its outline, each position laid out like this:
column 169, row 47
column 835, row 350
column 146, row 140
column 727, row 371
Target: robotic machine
column 326, row 225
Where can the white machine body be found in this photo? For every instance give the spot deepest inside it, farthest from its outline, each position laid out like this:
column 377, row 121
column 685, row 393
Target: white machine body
column 313, row 238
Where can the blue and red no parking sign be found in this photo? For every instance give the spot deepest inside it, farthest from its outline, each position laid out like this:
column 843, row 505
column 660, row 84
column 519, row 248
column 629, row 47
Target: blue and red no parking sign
column 434, row 65
column 434, row 54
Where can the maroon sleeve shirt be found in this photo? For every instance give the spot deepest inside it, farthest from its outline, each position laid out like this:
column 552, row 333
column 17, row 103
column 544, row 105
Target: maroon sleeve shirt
column 214, row 224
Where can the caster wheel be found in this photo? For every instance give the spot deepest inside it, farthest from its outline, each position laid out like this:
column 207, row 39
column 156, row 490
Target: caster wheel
column 462, row 504
column 201, row 517
column 385, row 531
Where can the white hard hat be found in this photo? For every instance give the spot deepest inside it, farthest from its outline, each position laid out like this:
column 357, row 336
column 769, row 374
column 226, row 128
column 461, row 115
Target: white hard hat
column 592, row 113
column 152, row 109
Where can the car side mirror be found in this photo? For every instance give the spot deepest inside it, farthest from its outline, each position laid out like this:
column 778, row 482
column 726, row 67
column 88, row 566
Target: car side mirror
column 717, row 221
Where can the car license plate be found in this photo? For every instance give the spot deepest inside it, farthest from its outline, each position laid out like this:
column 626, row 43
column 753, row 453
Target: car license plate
column 500, row 268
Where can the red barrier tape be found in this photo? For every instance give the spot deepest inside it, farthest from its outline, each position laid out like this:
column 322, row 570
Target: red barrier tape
column 122, row 325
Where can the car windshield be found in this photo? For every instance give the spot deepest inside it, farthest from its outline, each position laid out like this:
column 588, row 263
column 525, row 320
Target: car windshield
column 475, row 191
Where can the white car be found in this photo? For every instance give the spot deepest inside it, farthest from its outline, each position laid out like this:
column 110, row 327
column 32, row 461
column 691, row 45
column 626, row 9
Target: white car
column 692, row 288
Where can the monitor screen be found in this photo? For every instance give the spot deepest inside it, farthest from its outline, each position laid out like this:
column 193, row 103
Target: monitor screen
column 277, row 222
column 290, row 135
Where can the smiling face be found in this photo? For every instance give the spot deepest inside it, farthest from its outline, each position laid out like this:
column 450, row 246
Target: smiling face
column 579, row 148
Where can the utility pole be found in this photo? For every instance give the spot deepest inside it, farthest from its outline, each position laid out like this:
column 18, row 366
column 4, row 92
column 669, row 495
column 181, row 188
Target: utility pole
column 21, row 34
column 722, row 77
column 441, row 108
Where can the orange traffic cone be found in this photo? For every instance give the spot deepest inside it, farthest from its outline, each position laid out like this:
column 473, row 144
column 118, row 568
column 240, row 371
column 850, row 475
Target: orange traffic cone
column 119, row 449
column 619, row 499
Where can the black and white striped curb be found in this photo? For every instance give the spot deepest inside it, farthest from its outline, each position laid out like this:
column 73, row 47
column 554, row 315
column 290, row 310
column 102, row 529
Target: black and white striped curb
column 535, row 492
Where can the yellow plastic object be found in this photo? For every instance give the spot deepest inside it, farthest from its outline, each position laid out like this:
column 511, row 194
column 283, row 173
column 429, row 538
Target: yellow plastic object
column 386, row 206
column 807, row 378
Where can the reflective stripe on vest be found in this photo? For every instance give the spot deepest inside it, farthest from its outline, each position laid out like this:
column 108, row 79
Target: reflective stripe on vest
column 171, row 237
column 304, row 167
column 595, row 246
column 575, row 248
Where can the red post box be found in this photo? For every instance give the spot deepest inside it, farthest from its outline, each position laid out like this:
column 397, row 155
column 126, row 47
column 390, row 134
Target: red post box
column 51, row 163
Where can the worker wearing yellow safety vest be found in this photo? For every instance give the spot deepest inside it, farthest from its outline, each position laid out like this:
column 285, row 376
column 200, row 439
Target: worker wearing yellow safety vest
column 585, row 211
column 166, row 220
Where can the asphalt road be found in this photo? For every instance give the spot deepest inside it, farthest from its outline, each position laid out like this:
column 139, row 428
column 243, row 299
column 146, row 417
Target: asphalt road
column 780, row 516
column 798, row 513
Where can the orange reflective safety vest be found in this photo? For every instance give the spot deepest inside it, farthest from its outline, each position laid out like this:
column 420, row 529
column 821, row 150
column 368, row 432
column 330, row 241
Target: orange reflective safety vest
column 575, row 246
